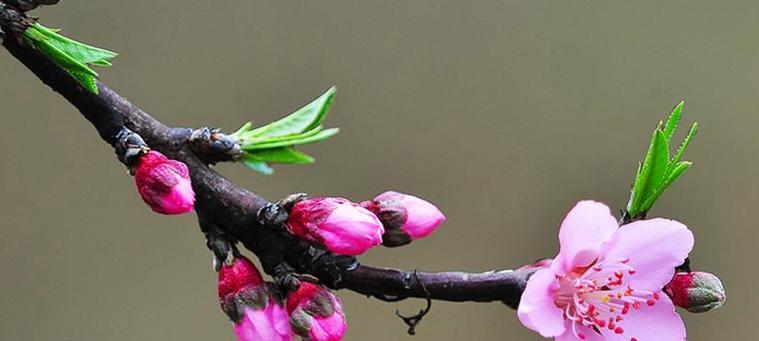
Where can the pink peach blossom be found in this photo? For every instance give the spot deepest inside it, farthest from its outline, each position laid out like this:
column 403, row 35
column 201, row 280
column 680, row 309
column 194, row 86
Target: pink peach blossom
column 340, row 225
column 164, row 184
column 606, row 282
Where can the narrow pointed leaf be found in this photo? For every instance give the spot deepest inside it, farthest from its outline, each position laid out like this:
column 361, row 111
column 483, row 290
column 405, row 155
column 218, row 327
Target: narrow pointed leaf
column 678, row 170
column 81, row 52
column 322, row 135
column 245, row 127
column 258, row 166
column 286, row 155
column 674, row 119
column 683, row 146
column 304, row 119
column 660, row 163
column 641, row 179
column 249, row 140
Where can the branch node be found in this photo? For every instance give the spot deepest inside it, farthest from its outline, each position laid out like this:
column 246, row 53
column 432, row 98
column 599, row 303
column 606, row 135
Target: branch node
column 129, row 147
column 213, row 146
column 414, row 320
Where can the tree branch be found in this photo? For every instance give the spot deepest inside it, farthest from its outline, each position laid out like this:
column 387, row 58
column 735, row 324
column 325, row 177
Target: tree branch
column 227, row 211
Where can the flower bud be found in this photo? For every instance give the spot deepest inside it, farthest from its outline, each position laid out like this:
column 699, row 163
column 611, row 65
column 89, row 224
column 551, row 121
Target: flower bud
column 164, row 184
column 404, row 216
column 251, row 305
column 696, row 291
column 316, row 314
column 340, row 225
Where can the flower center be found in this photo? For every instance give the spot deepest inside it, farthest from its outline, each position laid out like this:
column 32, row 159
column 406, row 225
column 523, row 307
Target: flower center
column 598, row 296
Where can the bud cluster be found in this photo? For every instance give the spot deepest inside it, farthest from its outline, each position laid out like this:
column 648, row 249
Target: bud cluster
column 255, row 307
column 347, row 228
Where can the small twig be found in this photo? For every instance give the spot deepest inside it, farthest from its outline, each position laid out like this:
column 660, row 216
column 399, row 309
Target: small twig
column 414, row 320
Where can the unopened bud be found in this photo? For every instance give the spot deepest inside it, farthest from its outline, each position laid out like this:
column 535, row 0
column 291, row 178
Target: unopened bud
column 316, row 314
column 341, row 226
column 404, row 216
column 164, row 184
column 696, row 291
column 250, row 303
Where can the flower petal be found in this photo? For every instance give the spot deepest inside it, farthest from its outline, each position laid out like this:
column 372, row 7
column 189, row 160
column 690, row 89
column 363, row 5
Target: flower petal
column 658, row 322
column 653, row 247
column 569, row 334
column 587, row 226
column 537, row 309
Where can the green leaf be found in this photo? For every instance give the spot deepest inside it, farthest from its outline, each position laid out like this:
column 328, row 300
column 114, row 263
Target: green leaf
column 684, row 145
column 659, row 171
column 286, row 155
column 674, row 119
column 245, row 127
column 258, row 166
column 71, row 55
column 642, row 177
column 304, row 119
column 248, row 140
column 83, row 53
column 677, row 170
column 297, row 140
column 660, row 162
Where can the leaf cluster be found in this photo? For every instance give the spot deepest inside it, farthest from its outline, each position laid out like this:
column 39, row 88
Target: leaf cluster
column 73, row 56
column 659, row 169
column 276, row 141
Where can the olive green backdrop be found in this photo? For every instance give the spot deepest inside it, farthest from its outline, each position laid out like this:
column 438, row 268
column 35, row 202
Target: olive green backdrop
column 504, row 113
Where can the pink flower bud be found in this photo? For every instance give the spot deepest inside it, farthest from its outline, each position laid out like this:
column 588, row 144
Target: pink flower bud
column 250, row 304
column 164, row 184
column 696, row 291
column 316, row 314
column 340, row 225
column 404, row 216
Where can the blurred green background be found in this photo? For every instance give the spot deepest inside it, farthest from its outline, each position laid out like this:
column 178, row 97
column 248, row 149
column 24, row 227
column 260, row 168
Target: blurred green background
column 504, row 113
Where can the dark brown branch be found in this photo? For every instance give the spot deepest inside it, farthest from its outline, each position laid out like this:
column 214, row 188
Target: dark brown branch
column 227, row 211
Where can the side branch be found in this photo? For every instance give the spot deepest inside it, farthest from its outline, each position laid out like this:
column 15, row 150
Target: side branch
column 229, row 212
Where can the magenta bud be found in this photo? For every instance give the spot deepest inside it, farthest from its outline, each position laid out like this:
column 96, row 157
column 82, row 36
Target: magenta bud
column 405, row 217
column 316, row 314
column 341, row 226
column 250, row 303
column 696, row 291
column 164, row 184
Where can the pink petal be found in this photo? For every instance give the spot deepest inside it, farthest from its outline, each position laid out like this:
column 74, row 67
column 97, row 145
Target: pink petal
column 351, row 230
column 587, row 226
column 270, row 324
column 658, row 322
column 653, row 247
column 330, row 328
column 537, row 309
column 569, row 335
column 423, row 217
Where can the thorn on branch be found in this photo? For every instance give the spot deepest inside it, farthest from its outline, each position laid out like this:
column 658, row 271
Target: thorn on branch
column 414, row 320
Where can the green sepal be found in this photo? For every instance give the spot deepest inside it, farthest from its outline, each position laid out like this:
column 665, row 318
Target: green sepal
column 659, row 169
